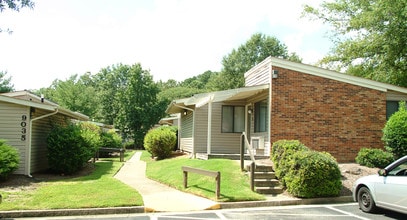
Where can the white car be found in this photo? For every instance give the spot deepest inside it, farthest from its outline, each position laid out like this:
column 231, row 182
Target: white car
column 387, row 189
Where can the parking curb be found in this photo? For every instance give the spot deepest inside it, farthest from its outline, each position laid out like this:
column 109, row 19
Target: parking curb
column 294, row 201
column 142, row 209
column 71, row 212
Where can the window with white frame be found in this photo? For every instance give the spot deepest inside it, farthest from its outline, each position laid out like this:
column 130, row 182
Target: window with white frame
column 232, row 119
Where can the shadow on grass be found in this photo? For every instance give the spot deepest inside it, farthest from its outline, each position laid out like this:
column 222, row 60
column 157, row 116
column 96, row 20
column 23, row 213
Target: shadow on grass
column 222, row 197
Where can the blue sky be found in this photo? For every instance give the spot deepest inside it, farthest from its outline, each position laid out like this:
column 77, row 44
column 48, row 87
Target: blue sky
column 174, row 39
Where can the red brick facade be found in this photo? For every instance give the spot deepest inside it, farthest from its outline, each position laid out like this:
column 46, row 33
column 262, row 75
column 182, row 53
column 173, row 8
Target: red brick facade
column 326, row 115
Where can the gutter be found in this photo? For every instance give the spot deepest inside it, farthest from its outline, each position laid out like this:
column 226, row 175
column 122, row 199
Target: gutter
column 193, row 126
column 30, row 138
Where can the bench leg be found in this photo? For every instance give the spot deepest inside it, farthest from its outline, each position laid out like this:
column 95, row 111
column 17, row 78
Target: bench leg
column 185, row 179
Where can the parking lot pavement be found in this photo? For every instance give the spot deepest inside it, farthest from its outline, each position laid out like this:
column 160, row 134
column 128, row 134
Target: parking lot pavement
column 327, row 211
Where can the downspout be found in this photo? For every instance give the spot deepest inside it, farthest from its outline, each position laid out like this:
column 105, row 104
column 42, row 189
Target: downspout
column 30, row 138
column 193, row 126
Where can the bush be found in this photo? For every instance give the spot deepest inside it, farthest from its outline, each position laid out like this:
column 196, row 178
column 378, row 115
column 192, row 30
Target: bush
column 313, row 174
column 282, row 152
column 160, row 142
column 129, row 145
column 68, row 151
column 373, row 157
column 395, row 132
column 111, row 139
column 9, row 159
column 91, row 134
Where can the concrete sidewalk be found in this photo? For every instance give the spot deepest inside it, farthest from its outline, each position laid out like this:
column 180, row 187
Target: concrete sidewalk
column 156, row 196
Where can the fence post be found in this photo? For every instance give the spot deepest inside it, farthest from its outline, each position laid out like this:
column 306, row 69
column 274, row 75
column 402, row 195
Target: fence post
column 252, row 168
column 218, row 185
column 242, row 152
column 185, row 179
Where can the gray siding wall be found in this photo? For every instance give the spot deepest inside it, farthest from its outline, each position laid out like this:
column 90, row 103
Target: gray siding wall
column 223, row 143
column 201, row 129
column 186, row 132
column 41, row 129
column 14, row 129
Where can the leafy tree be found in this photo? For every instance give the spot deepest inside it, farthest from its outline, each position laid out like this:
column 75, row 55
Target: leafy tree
column 240, row 60
column 76, row 94
column 370, row 37
column 110, row 81
column 5, row 83
column 15, row 5
column 139, row 108
column 200, row 81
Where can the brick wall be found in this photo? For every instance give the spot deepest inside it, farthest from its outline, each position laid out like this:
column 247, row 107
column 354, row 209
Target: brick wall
column 326, row 115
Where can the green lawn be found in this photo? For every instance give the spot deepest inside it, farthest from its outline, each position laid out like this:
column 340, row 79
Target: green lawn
column 98, row 189
column 235, row 185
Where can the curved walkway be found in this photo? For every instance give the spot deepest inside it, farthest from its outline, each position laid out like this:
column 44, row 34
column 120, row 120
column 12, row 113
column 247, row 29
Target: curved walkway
column 156, row 196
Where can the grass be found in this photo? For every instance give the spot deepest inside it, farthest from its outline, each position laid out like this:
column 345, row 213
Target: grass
column 98, row 189
column 235, row 185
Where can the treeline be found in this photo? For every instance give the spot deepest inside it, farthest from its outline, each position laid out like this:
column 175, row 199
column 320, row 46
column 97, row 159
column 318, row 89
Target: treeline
column 127, row 97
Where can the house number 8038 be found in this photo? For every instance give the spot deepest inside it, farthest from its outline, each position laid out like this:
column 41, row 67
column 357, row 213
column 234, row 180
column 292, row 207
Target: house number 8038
column 23, row 127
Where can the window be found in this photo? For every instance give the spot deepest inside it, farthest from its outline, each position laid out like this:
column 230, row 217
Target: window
column 260, row 116
column 232, row 119
column 391, row 108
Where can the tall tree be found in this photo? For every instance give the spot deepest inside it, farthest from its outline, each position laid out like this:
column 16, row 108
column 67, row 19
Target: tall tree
column 14, row 5
column 240, row 60
column 139, row 107
column 370, row 37
column 5, row 83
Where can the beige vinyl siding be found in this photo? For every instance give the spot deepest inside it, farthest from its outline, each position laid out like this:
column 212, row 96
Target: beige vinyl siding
column 201, row 129
column 260, row 74
column 41, row 129
column 186, row 132
column 11, row 129
column 223, row 143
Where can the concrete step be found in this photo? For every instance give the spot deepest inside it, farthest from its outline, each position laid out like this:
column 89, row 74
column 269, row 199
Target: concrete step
column 266, row 183
column 269, row 190
column 264, row 175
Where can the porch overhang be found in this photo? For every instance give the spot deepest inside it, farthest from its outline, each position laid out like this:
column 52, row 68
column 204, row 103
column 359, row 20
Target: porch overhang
column 198, row 100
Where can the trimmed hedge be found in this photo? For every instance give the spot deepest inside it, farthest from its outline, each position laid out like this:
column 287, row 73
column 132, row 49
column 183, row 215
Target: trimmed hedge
column 160, row 142
column 9, row 159
column 304, row 172
column 282, row 152
column 373, row 157
column 313, row 174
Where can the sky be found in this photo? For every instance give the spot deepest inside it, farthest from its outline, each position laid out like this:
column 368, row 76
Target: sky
column 173, row 39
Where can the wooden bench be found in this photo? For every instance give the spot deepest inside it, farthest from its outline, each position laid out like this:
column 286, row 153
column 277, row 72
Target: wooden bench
column 215, row 174
column 110, row 150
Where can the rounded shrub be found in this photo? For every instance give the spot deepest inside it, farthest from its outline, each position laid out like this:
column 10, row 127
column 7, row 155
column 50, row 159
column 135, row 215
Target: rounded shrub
column 395, row 132
column 373, row 157
column 160, row 142
column 68, row 151
column 313, row 174
column 111, row 139
column 282, row 152
column 9, row 159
